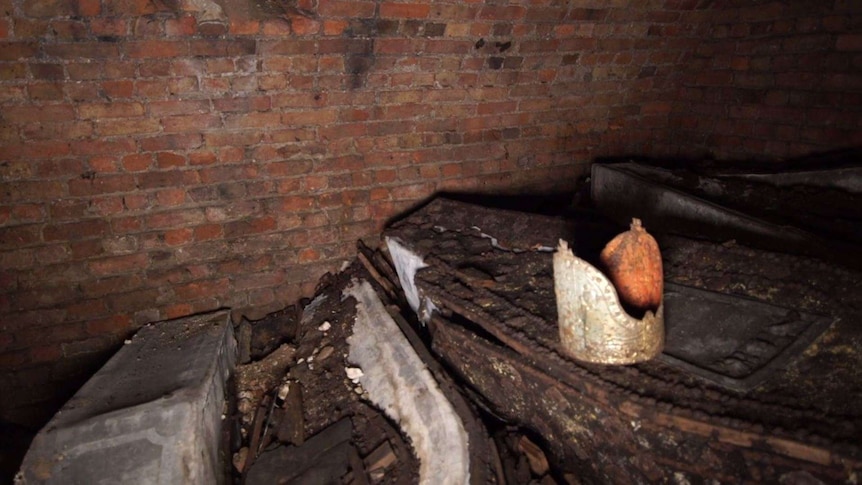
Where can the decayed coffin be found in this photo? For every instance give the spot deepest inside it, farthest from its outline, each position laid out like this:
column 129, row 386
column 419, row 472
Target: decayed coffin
column 760, row 380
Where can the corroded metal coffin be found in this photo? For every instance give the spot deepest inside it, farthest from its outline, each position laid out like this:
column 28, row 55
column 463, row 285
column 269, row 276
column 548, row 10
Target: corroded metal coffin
column 777, row 399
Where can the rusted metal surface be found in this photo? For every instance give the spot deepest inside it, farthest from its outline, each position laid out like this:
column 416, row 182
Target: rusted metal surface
column 651, row 421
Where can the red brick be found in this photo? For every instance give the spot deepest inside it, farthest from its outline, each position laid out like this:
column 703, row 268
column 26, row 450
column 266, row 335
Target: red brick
column 656, row 107
column 849, row 42
column 202, row 289
column 118, row 264
column 76, row 230
column 48, row 71
column 176, row 311
column 18, row 259
column 308, row 255
column 131, row 8
column 49, row 8
column 127, row 127
column 45, row 353
column 379, row 194
column 178, row 107
column 10, row 71
column 135, row 300
column 334, row 27
column 109, row 26
column 244, row 26
column 385, row 176
column 54, row 131
column 412, row 192
column 156, row 49
column 276, row 27
column 244, row 104
column 716, row 78
column 252, row 120
column 81, row 50
column 346, row 8
column 172, row 142
column 85, row 71
column 102, row 164
column 103, row 147
column 288, row 186
column 304, row 26
column 101, row 184
column 208, row 231
column 182, row 26
column 65, row 209
column 246, row 227
column 204, row 157
column 499, row 12
column 222, row 47
column 168, row 220
column 46, row 113
column 318, row 117
column 171, row 197
column 227, row 174
column 246, row 280
column 137, row 162
column 177, row 237
column 405, row 10
column 297, row 203
column 133, row 202
column 106, row 206
column 170, row 160
column 183, row 85
column 46, row 91
column 116, row 324
column 86, row 249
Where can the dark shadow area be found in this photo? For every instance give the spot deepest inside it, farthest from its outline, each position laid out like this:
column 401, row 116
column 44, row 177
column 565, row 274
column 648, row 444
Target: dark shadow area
column 14, row 441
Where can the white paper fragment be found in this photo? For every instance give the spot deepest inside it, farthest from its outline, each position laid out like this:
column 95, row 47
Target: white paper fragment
column 407, row 264
column 397, row 381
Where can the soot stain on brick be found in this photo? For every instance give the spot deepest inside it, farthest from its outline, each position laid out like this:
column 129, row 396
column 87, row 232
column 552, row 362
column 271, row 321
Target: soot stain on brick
column 360, row 58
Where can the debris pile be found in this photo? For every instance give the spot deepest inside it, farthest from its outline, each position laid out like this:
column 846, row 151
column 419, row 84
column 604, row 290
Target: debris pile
column 313, row 410
column 754, row 383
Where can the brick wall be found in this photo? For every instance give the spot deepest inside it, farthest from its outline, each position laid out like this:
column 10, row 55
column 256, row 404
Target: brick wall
column 161, row 158
column 772, row 79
